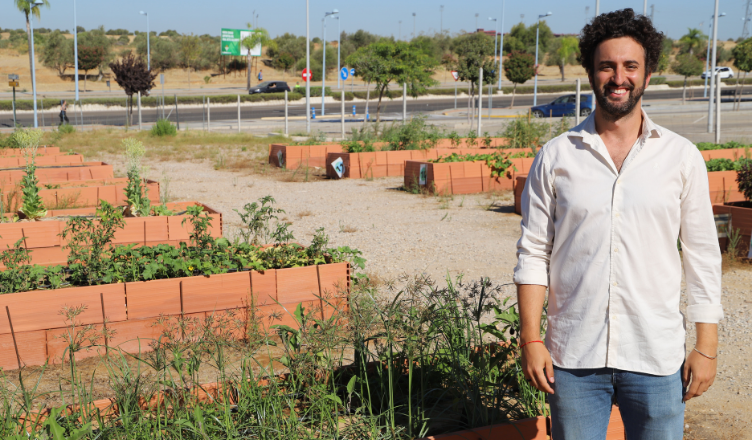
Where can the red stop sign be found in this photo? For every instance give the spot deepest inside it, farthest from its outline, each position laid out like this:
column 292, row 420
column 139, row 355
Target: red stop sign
column 306, row 75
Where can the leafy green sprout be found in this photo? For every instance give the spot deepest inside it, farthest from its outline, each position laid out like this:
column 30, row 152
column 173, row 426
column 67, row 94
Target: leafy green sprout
column 136, row 192
column 32, row 206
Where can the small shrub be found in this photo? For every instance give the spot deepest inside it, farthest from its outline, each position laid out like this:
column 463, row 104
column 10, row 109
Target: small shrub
column 136, row 193
column 66, row 129
column 32, row 206
column 163, row 127
column 744, row 179
column 207, row 79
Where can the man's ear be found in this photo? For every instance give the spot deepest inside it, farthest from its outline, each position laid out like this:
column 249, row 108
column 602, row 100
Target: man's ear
column 647, row 78
column 590, row 79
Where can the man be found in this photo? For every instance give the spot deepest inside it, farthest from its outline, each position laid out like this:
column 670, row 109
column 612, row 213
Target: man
column 260, row 76
column 64, row 112
column 602, row 209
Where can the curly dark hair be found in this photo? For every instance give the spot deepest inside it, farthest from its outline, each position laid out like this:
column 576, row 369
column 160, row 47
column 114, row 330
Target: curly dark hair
column 617, row 24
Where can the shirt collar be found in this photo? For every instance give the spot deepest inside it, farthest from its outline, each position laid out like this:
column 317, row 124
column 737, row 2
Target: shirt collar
column 586, row 129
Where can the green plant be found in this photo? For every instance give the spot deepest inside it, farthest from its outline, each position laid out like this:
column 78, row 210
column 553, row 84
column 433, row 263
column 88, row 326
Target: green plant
column 256, row 219
column 66, row 129
column 89, row 245
column 163, row 127
column 454, row 138
column 498, row 162
column 734, row 238
column 136, row 192
column 32, row 206
column 161, row 210
column 525, row 133
column 744, row 178
column 207, row 79
column 728, row 165
column 200, row 220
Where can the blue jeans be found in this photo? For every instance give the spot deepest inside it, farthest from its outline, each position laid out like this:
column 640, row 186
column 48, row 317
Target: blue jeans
column 651, row 406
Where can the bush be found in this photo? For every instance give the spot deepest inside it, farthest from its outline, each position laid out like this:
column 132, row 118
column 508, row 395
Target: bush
column 702, row 146
column 744, row 179
column 66, row 129
column 727, row 164
column 657, row 80
column 163, row 127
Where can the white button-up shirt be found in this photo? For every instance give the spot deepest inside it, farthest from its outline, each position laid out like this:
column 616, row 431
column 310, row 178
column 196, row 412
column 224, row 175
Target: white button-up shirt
column 605, row 243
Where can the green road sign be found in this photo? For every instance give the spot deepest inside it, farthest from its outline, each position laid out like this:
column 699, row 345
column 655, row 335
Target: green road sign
column 231, row 43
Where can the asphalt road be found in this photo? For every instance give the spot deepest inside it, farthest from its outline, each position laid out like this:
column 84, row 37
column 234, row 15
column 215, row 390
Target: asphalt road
column 197, row 115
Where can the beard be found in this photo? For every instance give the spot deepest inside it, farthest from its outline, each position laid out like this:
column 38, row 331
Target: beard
column 613, row 110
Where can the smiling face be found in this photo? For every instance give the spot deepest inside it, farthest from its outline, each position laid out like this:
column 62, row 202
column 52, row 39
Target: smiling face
column 619, row 77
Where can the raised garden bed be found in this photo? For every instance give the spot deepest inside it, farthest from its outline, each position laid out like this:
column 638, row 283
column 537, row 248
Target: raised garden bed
column 382, row 163
column 43, row 150
column 134, row 309
column 43, row 160
column 732, row 154
column 723, row 187
column 85, row 171
column 43, row 237
column 462, row 177
column 741, row 218
column 519, row 186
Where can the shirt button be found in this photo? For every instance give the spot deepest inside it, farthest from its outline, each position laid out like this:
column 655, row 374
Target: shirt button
column 614, row 284
column 616, row 250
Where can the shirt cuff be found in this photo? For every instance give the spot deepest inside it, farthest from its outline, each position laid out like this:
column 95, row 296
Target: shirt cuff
column 531, row 277
column 707, row 313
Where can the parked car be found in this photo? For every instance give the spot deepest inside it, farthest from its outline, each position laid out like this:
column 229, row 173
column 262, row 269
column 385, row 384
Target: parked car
column 564, row 106
column 269, row 87
column 723, row 72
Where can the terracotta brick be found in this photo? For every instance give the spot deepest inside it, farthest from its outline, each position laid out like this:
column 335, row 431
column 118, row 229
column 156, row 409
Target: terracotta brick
column 147, row 299
column 297, row 284
column 32, row 349
column 217, row 292
column 264, row 286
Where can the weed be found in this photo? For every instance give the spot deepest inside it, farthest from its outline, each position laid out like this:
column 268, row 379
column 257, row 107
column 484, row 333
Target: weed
column 256, row 219
column 136, row 192
column 32, row 206
column 67, row 202
column 347, row 229
column 305, row 213
column 66, row 129
column 462, row 202
column 219, row 160
column 445, row 200
column 163, row 127
column 734, row 238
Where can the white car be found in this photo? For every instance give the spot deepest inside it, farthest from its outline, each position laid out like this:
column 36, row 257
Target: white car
column 723, row 72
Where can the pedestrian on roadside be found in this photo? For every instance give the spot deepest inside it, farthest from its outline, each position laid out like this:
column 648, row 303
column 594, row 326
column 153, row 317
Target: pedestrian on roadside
column 260, row 76
column 63, row 112
column 602, row 209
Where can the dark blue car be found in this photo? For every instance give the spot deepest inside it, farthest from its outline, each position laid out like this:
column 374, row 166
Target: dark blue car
column 564, row 106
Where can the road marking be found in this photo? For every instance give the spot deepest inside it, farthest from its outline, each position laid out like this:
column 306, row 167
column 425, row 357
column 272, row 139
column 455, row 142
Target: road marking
column 701, row 118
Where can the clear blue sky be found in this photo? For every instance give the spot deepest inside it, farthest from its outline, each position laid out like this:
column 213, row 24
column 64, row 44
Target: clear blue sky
column 673, row 17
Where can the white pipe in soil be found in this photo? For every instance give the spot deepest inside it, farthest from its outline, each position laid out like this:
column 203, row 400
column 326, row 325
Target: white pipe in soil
column 718, row 109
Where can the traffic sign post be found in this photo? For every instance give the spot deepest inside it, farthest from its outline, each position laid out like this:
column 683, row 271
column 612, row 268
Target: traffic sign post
column 13, row 82
column 352, row 81
column 456, row 76
column 344, row 73
column 306, row 74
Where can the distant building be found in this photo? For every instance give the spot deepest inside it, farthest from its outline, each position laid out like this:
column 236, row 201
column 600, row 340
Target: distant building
column 489, row 33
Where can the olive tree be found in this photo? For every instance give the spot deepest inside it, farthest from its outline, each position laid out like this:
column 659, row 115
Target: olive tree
column 519, row 68
column 474, row 51
column 687, row 65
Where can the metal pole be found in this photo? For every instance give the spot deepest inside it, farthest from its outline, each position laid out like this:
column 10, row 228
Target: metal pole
column 707, row 62
column 41, row 102
column 33, row 70
column 490, row 100
column 286, row 126
column 203, row 111
column 645, row 7
column 501, row 44
column 535, row 86
column 14, row 108
column 404, row 102
column 81, row 113
column 323, row 73
column 480, row 99
column 75, row 49
column 455, row 94
column 441, row 22
column 718, row 109
column 577, row 102
column 597, row 7
column 239, row 112
column 342, row 117
column 308, row 67
column 208, row 114
column 139, row 111
column 127, row 116
column 339, row 45
column 148, row 45
column 177, row 116
column 712, row 68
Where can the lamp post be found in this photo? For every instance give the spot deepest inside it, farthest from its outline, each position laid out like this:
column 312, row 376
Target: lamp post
column 399, row 35
column 441, row 21
column 712, row 69
column 339, row 45
column 148, row 46
column 476, row 21
column 501, row 45
column 707, row 59
column 323, row 70
column 308, row 67
column 33, row 70
column 415, row 34
column 75, row 48
column 496, row 39
column 537, row 33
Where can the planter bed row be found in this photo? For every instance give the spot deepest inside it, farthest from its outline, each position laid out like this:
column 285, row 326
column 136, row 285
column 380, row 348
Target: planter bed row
column 733, row 154
column 42, row 151
column 132, row 308
column 90, row 196
column 741, row 219
column 294, row 156
column 43, row 237
column 88, row 170
column 383, row 163
column 462, row 177
column 57, row 159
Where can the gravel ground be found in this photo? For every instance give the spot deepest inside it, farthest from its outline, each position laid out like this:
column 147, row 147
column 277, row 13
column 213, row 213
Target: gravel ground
column 474, row 235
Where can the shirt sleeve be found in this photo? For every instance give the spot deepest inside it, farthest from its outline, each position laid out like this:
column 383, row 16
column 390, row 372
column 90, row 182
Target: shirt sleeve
column 699, row 243
column 537, row 206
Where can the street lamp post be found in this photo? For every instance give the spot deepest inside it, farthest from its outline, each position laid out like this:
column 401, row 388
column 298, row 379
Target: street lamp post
column 476, row 21
column 308, row 67
column 496, row 39
column 415, row 33
column 441, row 21
column 33, row 70
column 707, row 59
column 339, row 45
column 537, row 32
column 501, row 45
column 399, row 35
column 712, row 69
column 75, row 49
column 148, row 46
column 323, row 70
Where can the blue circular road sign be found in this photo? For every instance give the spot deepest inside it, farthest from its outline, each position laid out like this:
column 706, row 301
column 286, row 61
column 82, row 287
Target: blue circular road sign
column 352, row 71
column 344, row 73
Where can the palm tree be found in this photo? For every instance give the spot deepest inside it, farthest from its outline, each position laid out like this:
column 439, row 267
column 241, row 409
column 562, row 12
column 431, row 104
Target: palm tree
column 259, row 36
column 692, row 39
column 27, row 8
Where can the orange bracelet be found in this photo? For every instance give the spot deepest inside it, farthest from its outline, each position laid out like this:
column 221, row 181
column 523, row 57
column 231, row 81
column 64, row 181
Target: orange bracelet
column 530, row 342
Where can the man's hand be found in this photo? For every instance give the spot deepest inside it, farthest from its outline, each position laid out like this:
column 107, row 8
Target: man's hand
column 537, row 366
column 697, row 368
